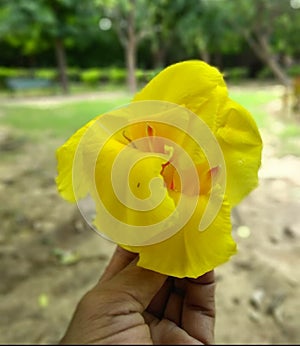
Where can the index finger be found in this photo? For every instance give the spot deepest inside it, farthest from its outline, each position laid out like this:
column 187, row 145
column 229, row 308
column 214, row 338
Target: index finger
column 120, row 259
column 198, row 313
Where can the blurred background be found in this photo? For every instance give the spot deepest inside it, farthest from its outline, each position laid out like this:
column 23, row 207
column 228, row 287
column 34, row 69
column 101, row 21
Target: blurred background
column 63, row 62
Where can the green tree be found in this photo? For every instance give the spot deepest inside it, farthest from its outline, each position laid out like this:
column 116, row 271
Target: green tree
column 267, row 26
column 202, row 29
column 195, row 27
column 286, row 32
column 33, row 25
column 126, row 18
column 164, row 16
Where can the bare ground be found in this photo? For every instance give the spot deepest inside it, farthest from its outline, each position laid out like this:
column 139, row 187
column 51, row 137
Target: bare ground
column 49, row 257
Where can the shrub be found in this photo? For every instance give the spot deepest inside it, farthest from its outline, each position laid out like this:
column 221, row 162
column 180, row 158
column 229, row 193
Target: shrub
column 294, row 71
column 117, row 75
column 236, row 73
column 91, row 76
column 105, row 72
column 140, row 75
column 7, row 72
column 50, row 74
column 265, row 73
column 74, row 74
column 149, row 74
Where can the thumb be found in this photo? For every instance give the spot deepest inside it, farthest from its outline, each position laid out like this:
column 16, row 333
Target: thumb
column 138, row 283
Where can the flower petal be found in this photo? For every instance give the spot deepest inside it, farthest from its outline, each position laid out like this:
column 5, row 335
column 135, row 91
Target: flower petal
column 190, row 253
column 140, row 199
column 241, row 144
column 193, row 84
column 116, row 195
column 201, row 88
column 65, row 158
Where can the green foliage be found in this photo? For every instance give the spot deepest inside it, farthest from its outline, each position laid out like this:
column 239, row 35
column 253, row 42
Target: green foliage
column 236, row 74
column 73, row 74
column 91, row 76
column 144, row 76
column 140, row 75
column 265, row 73
column 43, row 73
column 50, row 74
column 174, row 30
column 32, row 25
column 149, row 74
column 13, row 72
column 117, row 75
column 286, row 29
column 6, row 72
column 294, row 71
column 114, row 75
column 203, row 28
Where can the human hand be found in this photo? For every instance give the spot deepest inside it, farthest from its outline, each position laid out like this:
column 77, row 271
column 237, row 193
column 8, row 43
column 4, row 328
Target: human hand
column 133, row 305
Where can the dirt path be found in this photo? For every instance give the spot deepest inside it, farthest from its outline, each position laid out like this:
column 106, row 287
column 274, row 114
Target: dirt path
column 49, row 257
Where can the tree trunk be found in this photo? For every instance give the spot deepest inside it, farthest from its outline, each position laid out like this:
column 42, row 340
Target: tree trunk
column 130, row 52
column 204, row 55
column 130, row 49
column 262, row 49
column 277, row 70
column 218, row 60
column 159, row 57
column 61, row 64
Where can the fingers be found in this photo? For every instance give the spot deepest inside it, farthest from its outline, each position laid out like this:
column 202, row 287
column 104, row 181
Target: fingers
column 190, row 303
column 158, row 303
column 120, row 259
column 165, row 332
column 198, row 314
column 173, row 308
column 135, row 283
column 206, row 278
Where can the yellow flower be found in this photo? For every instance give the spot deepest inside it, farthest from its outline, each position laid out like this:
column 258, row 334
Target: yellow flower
column 174, row 181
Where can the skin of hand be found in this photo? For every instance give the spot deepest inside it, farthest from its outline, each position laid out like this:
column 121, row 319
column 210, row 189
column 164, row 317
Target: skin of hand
column 133, row 305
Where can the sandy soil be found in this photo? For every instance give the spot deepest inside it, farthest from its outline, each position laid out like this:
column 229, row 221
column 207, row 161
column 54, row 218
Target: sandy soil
column 49, row 257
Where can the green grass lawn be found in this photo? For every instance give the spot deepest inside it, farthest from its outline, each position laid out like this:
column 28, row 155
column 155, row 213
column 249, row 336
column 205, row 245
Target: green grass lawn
column 286, row 131
column 57, row 120
column 63, row 119
column 255, row 102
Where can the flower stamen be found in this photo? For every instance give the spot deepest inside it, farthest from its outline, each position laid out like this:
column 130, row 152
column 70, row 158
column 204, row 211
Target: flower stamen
column 129, row 140
column 151, row 134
